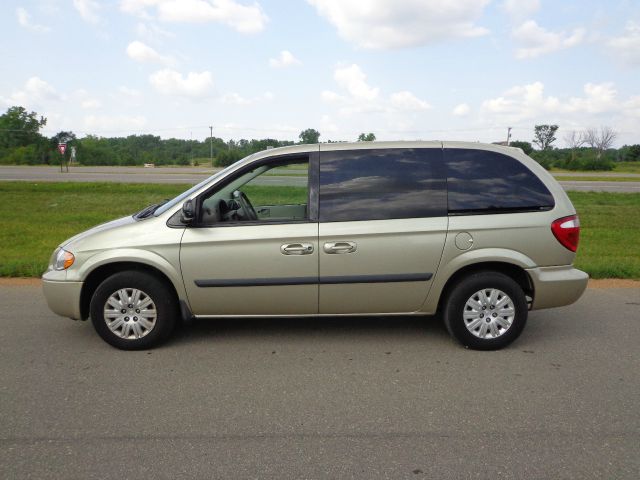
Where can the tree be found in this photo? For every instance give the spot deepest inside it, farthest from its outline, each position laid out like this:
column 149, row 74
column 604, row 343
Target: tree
column 544, row 136
column 525, row 146
column 19, row 128
column 574, row 140
column 632, row 153
column 600, row 140
column 367, row 137
column 310, row 135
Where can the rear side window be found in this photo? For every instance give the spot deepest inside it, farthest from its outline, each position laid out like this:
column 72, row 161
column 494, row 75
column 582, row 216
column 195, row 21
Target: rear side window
column 488, row 182
column 381, row 184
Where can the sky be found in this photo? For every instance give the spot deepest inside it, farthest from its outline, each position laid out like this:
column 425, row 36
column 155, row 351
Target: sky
column 402, row 69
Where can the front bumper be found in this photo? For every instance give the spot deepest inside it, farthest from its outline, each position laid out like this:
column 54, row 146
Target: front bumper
column 62, row 297
column 557, row 286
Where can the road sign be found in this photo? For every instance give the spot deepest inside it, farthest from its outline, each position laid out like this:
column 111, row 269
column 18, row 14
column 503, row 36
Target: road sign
column 62, row 147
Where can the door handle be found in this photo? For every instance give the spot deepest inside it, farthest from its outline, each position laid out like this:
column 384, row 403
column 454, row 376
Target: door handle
column 339, row 247
column 296, row 249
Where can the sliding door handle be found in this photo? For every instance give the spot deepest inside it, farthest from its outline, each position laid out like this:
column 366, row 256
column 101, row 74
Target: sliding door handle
column 339, row 247
column 296, row 249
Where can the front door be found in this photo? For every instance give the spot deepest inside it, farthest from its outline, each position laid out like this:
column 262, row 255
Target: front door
column 254, row 248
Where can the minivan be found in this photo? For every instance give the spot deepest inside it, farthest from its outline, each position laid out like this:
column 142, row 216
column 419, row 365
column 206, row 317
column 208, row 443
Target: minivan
column 479, row 234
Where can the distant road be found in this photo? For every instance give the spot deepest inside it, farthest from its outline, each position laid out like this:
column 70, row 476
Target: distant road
column 192, row 175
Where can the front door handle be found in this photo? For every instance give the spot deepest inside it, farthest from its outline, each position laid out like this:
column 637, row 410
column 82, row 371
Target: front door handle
column 296, row 249
column 339, row 247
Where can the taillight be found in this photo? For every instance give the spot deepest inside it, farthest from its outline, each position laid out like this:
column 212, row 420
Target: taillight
column 567, row 231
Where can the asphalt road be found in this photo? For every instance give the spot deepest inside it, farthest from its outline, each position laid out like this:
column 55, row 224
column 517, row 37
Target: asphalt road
column 190, row 175
column 332, row 398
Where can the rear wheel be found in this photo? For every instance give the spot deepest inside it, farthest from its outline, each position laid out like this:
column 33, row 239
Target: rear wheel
column 133, row 310
column 486, row 311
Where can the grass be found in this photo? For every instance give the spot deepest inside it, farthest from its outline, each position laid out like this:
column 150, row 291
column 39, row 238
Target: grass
column 578, row 178
column 609, row 234
column 627, row 167
column 37, row 217
column 619, row 167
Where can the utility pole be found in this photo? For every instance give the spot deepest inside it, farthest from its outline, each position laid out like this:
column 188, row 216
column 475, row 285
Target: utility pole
column 211, row 144
column 508, row 136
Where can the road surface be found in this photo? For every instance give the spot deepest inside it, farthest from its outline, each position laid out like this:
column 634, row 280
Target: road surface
column 332, row 398
column 189, row 175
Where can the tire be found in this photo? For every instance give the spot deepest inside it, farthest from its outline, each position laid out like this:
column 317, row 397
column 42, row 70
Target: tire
column 486, row 311
column 133, row 310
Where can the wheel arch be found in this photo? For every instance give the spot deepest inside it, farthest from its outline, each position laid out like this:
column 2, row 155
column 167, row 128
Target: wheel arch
column 102, row 272
column 515, row 272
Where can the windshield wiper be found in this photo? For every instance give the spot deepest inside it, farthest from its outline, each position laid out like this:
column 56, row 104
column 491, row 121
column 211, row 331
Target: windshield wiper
column 148, row 211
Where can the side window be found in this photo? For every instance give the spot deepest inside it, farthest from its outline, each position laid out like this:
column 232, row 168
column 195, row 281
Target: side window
column 379, row 184
column 480, row 181
column 272, row 192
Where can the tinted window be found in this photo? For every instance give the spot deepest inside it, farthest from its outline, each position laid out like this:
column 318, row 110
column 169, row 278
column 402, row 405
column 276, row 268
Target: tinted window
column 484, row 182
column 381, row 184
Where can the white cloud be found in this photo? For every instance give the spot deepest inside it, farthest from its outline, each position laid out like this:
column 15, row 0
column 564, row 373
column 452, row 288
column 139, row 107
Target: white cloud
column 530, row 102
column 235, row 99
column 128, row 92
column 461, row 110
column 243, row 18
column 519, row 9
column 127, row 97
column 327, row 125
column 407, row 101
column 151, row 32
column 393, row 24
column 354, row 81
column 24, row 19
column 88, row 10
column 91, row 103
column 114, row 122
column 85, row 100
column 627, row 45
column 140, row 52
column 285, row 59
column 170, row 82
column 35, row 93
column 535, row 40
column 360, row 97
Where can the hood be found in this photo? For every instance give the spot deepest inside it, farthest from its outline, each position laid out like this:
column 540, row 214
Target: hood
column 99, row 228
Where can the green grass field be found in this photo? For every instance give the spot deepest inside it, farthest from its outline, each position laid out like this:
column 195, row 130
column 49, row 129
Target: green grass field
column 618, row 167
column 578, row 178
column 37, row 217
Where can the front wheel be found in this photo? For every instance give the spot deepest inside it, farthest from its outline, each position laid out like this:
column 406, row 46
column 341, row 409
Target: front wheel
column 486, row 311
column 133, row 310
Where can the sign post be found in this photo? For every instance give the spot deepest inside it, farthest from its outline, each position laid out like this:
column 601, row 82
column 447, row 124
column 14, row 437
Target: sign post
column 62, row 148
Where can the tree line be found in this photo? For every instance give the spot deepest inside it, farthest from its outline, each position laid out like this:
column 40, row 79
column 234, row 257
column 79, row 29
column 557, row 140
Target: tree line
column 589, row 149
column 22, row 143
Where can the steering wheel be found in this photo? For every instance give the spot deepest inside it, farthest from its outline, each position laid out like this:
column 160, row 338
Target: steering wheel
column 244, row 202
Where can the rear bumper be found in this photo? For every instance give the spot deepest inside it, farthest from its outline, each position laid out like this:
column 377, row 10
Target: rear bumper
column 557, row 286
column 63, row 297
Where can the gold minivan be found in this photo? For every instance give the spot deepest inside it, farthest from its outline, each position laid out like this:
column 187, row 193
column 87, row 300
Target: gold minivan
column 479, row 233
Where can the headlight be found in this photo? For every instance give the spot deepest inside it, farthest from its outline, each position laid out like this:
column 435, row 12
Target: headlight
column 61, row 259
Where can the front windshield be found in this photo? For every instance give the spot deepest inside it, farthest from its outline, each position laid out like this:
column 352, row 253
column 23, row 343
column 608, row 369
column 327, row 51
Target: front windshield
column 180, row 198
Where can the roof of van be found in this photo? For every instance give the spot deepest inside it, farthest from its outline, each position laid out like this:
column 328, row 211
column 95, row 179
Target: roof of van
column 324, row 147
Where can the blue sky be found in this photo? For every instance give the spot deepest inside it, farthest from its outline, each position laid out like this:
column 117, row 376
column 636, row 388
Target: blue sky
column 403, row 69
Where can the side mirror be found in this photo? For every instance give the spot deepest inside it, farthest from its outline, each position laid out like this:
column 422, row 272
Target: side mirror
column 188, row 212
